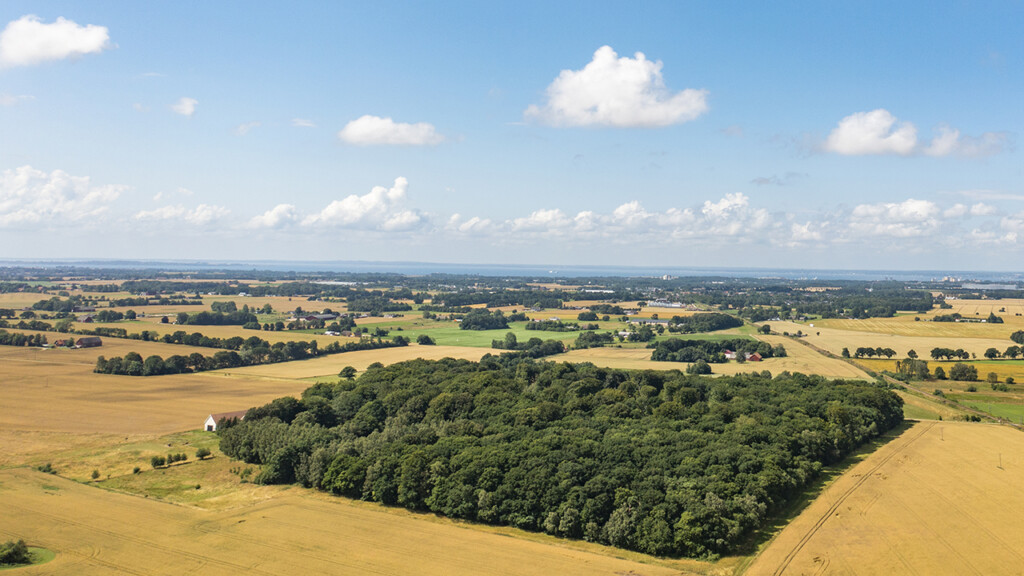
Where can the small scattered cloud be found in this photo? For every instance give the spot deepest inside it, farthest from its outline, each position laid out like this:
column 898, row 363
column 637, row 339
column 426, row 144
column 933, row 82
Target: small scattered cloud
column 735, row 131
column 302, row 123
column 243, row 129
column 139, row 107
column 13, row 99
column 473, row 225
column 185, row 106
column 990, row 195
column 201, row 215
column 879, row 132
column 29, row 197
column 619, row 92
column 776, row 180
column 374, row 130
column 28, row 41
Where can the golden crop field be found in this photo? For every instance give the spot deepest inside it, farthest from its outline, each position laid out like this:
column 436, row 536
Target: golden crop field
column 942, row 498
column 298, row 532
column 332, row 364
column 19, row 300
column 835, row 339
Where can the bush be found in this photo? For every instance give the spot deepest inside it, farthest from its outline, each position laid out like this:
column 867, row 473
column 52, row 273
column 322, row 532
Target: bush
column 202, row 453
column 47, row 468
column 136, row 470
column 157, row 461
column 1010, row 380
column 95, row 474
column 12, row 552
column 972, row 388
column 424, row 340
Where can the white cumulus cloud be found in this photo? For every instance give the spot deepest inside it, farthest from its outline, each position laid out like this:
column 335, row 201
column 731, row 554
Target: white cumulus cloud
column 621, row 92
column 381, row 208
column 896, row 219
column 879, row 132
column 277, row 217
column 32, row 197
column 302, row 123
column 28, row 41
column 185, row 106
column 374, row 130
column 874, row 132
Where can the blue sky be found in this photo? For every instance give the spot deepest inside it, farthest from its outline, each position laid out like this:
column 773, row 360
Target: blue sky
column 838, row 135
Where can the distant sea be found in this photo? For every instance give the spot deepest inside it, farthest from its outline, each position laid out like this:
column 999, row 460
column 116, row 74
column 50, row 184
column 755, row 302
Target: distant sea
column 533, row 271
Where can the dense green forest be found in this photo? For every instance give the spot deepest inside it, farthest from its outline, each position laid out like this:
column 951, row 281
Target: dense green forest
column 659, row 462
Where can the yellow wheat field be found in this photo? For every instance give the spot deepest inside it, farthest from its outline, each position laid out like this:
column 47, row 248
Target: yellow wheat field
column 941, row 499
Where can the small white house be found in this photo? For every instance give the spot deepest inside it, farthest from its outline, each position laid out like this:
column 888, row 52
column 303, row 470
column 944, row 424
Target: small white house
column 211, row 421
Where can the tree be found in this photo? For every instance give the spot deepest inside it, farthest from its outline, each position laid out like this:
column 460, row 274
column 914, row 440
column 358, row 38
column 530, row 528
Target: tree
column 846, row 353
column 1018, row 336
column 964, row 372
column 12, row 552
column 940, row 374
column 992, row 378
column 912, row 354
column 991, row 353
column 425, row 340
column 202, row 453
column 702, row 367
column 765, row 329
column 157, row 461
column 347, row 372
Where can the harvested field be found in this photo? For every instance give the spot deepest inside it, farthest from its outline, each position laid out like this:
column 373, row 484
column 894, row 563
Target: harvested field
column 941, row 498
column 332, row 364
column 100, row 532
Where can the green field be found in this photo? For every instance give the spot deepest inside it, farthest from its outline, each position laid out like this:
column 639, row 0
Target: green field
column 1012, row 412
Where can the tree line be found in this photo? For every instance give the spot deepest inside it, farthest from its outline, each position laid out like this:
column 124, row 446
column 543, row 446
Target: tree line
column 132, row 364
column 711, row 351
